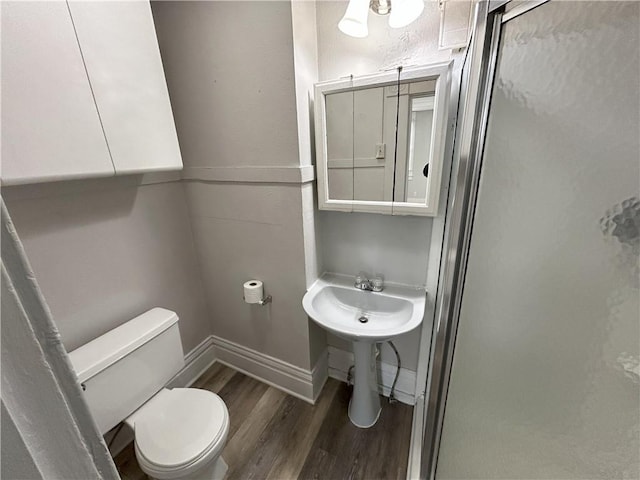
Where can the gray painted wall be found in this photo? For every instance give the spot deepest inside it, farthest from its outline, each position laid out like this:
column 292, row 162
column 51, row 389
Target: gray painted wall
column 106, row 250
column 396, row 246
column 230, row 72
column 229, row 67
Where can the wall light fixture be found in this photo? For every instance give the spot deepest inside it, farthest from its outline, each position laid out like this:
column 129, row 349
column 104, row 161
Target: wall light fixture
column 401, row 13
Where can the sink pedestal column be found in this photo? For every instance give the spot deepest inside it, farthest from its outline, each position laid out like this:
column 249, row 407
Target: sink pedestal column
column 364, row 408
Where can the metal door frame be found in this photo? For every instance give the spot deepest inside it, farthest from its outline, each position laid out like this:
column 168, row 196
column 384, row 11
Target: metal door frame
column 475, row 99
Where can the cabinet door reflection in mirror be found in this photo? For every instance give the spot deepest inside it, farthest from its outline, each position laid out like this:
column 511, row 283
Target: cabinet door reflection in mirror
column 360, row 126
column 380, row 141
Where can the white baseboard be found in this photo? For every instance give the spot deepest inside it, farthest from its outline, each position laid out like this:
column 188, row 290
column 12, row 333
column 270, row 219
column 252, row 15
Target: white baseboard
column 341, row 360
column 291, row 379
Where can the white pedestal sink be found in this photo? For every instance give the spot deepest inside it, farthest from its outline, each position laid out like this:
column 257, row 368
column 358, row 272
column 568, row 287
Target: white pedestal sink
column 365, row 318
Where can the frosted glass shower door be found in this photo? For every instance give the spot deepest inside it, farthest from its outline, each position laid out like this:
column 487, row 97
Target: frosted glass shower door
column 545, row 381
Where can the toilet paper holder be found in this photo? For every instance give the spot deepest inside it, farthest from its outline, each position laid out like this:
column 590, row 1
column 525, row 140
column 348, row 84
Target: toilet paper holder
column 265, row 300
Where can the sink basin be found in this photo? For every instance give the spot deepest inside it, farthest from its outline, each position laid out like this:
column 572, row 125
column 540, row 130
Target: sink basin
column 365, row 318
column 335, row 304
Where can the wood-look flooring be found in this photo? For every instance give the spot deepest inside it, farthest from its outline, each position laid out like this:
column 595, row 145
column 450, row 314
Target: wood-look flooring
column 277, row 436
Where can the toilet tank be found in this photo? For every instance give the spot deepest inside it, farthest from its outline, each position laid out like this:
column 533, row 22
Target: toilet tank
column 125, row 367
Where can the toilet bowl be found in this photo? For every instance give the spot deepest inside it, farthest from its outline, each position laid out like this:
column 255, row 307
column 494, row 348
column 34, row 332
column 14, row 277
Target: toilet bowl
column 179, row 433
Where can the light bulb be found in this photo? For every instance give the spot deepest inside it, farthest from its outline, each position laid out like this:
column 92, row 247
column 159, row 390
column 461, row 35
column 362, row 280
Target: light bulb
column 403, row 12
column 354, row 22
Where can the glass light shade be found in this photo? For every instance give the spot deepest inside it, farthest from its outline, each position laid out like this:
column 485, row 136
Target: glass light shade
column 403, row 12
column 354, row 22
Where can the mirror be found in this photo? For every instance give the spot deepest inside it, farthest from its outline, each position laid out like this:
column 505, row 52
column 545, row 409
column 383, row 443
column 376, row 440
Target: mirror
column 380, row 141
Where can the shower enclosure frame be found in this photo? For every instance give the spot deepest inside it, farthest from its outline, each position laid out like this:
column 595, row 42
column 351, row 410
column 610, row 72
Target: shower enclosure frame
column 474, row 105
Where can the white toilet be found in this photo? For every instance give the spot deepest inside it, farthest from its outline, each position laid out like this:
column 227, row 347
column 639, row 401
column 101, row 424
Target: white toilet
column 180, row 432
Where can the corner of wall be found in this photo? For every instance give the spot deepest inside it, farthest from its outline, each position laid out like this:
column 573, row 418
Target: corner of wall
column 305, row 57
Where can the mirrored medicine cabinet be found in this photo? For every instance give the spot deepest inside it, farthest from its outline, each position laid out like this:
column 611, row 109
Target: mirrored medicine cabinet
column 380, row 141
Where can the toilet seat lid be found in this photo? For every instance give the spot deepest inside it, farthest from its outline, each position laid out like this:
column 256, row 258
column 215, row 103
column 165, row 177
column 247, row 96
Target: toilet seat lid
column 182, row 429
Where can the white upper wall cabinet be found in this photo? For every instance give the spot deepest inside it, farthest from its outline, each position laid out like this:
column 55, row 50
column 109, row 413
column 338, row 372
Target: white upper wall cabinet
column 120, row 49
column 50, row 126
column 83, row 92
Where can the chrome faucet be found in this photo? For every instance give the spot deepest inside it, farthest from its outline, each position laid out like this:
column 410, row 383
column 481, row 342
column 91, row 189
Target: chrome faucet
column 376, row 284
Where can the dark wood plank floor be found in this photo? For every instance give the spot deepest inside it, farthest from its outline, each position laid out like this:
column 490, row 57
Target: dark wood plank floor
column 276, row 436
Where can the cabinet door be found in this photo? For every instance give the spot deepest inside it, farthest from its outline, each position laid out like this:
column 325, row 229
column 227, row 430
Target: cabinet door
column 50, row 126
column 120, row 49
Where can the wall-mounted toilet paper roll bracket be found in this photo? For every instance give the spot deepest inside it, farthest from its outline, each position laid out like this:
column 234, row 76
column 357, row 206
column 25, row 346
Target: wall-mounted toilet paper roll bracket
column 265, row 300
